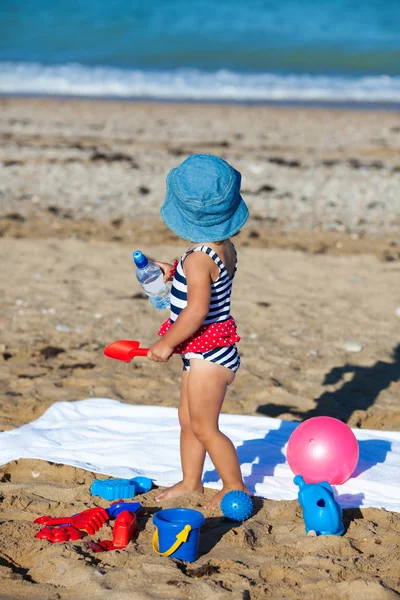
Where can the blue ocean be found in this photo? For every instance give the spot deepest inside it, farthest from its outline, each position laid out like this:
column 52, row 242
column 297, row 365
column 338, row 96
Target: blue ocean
column 323, row 51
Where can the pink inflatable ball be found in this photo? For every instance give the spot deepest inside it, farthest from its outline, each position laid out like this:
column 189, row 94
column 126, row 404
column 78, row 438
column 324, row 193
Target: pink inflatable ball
column 323, row 449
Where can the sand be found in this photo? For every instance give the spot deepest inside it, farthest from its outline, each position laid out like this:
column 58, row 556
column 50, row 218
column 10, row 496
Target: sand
column 80, row 187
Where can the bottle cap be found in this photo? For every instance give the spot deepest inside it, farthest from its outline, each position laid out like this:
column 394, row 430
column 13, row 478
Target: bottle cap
column 140, row 260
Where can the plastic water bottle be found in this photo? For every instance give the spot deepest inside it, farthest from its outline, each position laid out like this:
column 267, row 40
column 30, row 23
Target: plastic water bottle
column 150, row 277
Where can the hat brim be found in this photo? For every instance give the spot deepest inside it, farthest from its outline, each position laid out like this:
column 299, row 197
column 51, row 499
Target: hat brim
column 196, row 233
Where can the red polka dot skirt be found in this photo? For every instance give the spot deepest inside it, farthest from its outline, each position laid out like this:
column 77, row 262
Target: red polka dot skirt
column 207, row 337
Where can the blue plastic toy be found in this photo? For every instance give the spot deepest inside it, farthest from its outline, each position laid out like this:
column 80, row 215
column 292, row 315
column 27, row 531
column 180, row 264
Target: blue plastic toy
column 143, row 484
column 118, row 489
column 236, row 506
column 177, row 532
column 321, row 512
column 118, row 507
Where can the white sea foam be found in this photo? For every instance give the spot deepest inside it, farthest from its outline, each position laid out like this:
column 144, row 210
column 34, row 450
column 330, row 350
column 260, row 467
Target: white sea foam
column 192, row 84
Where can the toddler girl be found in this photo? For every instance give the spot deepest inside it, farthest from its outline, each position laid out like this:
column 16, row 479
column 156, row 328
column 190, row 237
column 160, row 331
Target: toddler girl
column 203, row 205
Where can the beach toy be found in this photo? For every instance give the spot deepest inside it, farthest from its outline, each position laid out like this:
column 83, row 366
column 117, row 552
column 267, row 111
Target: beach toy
column 236, row 505
column 56, row 535
column 101, row 546
column 125, row 350
column 123, row 531
column 113, row 489
column 90, row 520
column 117, row 489
column 177, row 533
column 117, row 507
column 143, row 484
column 323, row 449
column 321, row 512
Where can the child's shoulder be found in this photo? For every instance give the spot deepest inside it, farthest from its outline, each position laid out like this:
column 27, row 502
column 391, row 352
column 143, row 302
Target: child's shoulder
column 198, row 258
column 213, row 257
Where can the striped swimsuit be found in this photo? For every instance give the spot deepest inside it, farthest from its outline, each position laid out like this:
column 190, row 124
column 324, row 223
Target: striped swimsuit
column 219, row 310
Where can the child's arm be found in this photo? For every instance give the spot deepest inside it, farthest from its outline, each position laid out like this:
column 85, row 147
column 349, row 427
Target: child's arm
column 198, row 271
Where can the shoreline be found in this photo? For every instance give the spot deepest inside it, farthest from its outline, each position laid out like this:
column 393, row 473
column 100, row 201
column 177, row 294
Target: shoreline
column 363, row 106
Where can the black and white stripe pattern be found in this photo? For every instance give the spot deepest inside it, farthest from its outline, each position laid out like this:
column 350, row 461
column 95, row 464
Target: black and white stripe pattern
column 227, row 356
column 220, row 303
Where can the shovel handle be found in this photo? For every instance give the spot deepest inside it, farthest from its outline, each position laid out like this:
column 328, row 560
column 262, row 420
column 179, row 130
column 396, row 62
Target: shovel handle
column 125, row 350
column 141, row 351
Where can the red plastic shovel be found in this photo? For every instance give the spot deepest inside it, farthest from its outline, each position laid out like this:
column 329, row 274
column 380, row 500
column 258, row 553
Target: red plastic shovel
column 125, row 350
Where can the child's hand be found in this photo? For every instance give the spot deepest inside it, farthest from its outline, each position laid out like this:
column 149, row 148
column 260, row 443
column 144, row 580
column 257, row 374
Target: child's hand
column 160, row 352
column 167, row 269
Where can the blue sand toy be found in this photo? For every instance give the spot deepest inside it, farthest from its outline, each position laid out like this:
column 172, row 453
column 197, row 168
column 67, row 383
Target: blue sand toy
column 321, row 512
column 118, row 507
column 177, row 532
column 118, row 489
column 236, row 506
column 113, row 489
column 143, row 484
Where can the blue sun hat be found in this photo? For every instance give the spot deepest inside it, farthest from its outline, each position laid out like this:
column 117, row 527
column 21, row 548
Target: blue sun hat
column 203, row 201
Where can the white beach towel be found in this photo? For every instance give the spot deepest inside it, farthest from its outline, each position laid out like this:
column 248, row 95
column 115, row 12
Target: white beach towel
column 122, row 440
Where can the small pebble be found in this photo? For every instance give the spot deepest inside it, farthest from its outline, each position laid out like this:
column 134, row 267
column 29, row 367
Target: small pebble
column 313, row 352
column 253, row 336
column 62, row 328
column 98, row 315
column 19, row 302
column 312, row 533
column 352, row 347
column 397, row 311
column 256, row 169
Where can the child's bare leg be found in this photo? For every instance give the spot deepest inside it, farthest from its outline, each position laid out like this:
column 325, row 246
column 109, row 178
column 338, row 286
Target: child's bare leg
column 207, row 386
column 192, row 452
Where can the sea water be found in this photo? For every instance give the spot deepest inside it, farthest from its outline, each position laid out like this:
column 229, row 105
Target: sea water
column 229, row 50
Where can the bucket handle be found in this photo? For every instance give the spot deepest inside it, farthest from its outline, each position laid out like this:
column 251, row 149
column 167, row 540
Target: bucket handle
column 181, row 538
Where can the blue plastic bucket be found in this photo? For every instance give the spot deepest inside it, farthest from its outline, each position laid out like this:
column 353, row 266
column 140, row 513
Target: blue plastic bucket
column 177, row 533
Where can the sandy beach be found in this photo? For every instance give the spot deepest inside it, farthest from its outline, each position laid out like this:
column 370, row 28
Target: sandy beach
column 316, row 301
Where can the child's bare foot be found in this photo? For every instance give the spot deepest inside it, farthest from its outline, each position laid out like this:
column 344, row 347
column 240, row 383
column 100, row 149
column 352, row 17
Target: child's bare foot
column 216, row 500
column 179, row 489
